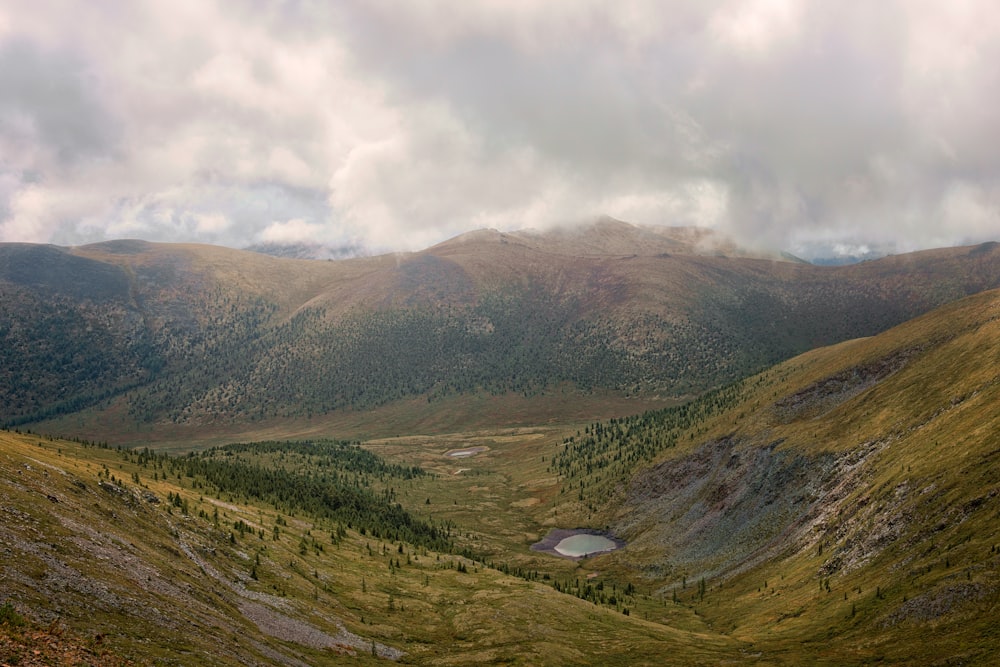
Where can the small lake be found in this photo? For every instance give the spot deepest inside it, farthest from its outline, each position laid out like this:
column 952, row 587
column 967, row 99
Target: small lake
column 582, row 545
column 576, row 544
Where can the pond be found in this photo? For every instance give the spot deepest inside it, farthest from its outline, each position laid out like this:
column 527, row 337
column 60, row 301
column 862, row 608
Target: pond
column 577, row 544
column 582, row 545
column 465, row 453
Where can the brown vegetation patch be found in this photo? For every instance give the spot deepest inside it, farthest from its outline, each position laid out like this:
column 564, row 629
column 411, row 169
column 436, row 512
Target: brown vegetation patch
column 826, row 394
column 937, row 603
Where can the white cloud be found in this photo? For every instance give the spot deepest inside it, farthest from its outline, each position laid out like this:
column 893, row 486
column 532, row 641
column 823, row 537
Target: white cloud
column 755, row 27
column 399, row 124
column 211, row 223
column 974, row 209
column 291, row 231
column 28, row 218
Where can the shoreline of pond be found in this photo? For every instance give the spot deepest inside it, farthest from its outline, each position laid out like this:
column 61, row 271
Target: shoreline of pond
column 555, row 536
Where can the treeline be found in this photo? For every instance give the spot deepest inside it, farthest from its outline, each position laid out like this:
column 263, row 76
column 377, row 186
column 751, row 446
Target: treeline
column 165, row 348
column 223, row 356
column 332, row 480
column 320, row 456
column 593, row 462
column 519, row 339
column 58, row 356
column 323, row 497
column 214, row 338
column 599, row 593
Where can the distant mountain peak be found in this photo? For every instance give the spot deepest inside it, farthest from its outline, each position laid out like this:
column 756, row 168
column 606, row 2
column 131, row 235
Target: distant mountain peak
column 605, row 235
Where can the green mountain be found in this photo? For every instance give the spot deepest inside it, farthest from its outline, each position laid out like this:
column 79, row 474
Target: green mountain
column 124, row 336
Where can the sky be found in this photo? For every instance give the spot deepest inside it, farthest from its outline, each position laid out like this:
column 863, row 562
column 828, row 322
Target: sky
column 813, row 127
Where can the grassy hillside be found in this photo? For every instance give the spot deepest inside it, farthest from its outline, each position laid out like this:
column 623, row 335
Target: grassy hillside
column 842, row 506
column 123, row 558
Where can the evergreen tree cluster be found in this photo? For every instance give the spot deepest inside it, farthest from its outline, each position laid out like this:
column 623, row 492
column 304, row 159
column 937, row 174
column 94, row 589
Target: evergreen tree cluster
column 599, row 592
column 519, row 340
column 608, row 452
column 332, row 480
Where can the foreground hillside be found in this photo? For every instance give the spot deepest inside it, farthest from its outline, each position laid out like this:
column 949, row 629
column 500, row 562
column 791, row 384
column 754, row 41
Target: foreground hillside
column 112, row 339
column 130, row 558
column 844, row 505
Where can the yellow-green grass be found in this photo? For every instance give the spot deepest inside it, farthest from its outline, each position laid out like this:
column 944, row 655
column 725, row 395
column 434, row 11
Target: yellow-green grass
column 915, row 526
column 446, row 416
column 901, row 562
column 167, row 588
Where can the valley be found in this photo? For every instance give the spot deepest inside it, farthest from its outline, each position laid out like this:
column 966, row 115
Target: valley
column 812, row 483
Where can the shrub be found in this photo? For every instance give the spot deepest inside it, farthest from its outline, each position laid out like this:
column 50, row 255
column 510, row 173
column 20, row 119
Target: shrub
column 9, row 616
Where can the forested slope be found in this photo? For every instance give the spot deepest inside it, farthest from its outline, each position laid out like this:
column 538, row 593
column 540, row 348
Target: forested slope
column 194, row 335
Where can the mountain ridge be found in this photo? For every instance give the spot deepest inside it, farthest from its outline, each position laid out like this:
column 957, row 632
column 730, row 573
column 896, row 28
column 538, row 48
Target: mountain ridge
column 189, row 332
column 607, row 236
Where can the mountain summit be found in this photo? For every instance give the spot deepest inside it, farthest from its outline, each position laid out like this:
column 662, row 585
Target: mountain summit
column 608, row 236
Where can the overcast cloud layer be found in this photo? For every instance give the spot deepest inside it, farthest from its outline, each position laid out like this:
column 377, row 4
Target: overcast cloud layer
column 398, row 124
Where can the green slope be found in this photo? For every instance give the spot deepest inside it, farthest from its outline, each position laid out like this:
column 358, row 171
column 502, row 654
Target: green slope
column 128, row 558
column 841, row 507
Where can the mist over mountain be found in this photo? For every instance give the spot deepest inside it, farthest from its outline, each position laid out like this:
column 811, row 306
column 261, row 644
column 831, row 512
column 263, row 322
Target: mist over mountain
column 402, row 126
column 829, row 253
column 308, row 250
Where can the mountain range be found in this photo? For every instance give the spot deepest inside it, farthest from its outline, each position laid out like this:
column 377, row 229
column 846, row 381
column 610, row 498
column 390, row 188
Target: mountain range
column 126, row 337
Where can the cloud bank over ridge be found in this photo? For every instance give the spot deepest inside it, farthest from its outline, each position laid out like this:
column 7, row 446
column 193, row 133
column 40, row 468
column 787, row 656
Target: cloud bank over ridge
column 398, row 124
